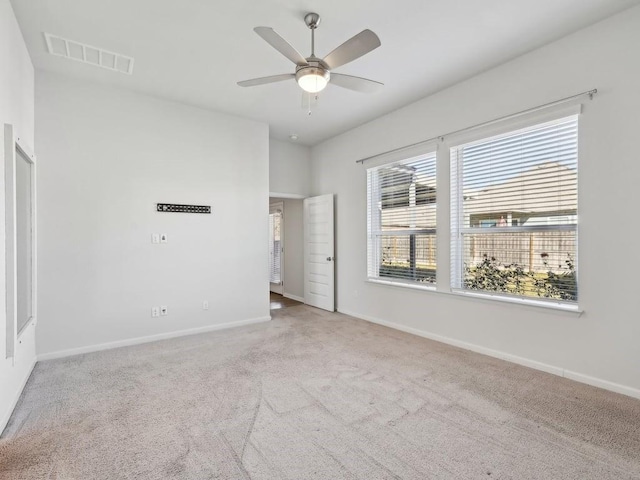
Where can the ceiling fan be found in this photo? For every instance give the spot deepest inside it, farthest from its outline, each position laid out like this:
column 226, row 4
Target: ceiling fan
column 313, row 73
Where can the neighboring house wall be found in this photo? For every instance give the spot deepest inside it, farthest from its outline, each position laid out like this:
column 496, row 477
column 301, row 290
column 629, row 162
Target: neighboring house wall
column 107, row 157
column 601, row 345
column 293, row 247
column 16, row 108
column 289, row 168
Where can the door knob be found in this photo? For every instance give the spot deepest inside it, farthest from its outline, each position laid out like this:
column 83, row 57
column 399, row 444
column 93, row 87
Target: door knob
column 329, row 259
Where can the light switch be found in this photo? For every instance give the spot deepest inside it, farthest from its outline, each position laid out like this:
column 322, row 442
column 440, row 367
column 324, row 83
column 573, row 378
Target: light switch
column 163, row 238
column 155, row 238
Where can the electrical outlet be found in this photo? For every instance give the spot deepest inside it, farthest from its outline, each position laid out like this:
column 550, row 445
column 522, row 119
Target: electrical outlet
column 155, row 311
column 163, row 238
column 155, row 238
column 205, row 305
column 163, row 310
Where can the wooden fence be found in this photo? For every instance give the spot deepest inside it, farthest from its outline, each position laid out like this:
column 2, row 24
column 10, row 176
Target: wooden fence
column 536, row 251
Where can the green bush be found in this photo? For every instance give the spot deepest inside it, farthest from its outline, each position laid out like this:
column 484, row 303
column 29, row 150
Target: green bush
column 565, row 283
column 491, row 276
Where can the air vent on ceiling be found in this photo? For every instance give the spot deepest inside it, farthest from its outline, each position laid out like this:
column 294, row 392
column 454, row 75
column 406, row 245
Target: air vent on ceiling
column 95, row 56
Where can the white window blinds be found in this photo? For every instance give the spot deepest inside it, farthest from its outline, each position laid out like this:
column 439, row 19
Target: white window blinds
column 401, row 221
column 514, row 213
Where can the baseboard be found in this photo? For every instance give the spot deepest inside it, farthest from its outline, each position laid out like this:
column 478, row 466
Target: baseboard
column 7, row 415
column 578, row 377
column 604, row 384
column 151, row 338
column 293, row 297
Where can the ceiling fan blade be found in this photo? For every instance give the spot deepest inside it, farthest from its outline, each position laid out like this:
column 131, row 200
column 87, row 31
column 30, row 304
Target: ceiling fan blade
column 356, row 83
column 264, row 80
column 280, row 44
column 353, row 48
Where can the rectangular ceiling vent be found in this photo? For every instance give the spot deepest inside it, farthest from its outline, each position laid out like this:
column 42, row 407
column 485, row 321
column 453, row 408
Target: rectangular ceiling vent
column 95, row 56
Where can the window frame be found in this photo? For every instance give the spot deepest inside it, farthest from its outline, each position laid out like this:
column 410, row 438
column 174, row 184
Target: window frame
column 458, row 230
column 374, row 227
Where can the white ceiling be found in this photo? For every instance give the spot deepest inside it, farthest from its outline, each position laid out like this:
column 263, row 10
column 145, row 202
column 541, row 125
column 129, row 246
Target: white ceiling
column 194, row 51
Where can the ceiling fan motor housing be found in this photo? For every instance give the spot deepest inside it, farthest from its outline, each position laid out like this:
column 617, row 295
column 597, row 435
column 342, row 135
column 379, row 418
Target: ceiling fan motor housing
column 314, row 75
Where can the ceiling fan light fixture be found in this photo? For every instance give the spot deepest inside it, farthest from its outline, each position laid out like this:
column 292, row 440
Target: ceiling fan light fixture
column 312, row 73
column 312, row 79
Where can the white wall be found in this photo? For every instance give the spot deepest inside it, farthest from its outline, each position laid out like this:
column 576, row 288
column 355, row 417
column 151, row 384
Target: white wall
column 16, row 108
column 293, row 273
column 107, row 157
column 598, row 347
column 289, row 168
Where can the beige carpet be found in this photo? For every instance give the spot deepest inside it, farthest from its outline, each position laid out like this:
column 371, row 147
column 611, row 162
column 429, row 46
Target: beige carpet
column 313, row 395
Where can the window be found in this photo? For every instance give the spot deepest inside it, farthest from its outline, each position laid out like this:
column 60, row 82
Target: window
column 514, row 213
column 275, row 244
column 401, row 212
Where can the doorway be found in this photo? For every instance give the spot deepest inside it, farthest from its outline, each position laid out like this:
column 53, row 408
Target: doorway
column 286, row 248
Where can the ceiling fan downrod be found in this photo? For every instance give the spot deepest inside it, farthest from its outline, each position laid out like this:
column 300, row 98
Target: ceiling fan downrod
column 312, row 20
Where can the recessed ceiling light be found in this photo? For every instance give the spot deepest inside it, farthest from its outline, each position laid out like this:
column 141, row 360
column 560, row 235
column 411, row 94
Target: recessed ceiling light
column 293, row 136
column 81, row 52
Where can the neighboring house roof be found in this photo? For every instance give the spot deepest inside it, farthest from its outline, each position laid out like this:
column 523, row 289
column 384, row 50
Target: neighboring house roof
column 547, row 189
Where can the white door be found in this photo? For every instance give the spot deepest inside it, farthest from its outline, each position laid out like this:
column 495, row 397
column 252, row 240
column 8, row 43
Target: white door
column 276, row 247
column 319, row 258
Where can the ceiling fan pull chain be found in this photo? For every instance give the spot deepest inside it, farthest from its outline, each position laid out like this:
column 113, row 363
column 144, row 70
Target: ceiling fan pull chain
column 308, row 101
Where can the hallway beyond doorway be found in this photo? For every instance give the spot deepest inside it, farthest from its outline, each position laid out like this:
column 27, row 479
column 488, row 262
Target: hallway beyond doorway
column 278, row 302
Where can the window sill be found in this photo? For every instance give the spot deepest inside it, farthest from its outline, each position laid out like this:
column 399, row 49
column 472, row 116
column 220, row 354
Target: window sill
column 413, row 286
column 573, row 310
column 528, row 302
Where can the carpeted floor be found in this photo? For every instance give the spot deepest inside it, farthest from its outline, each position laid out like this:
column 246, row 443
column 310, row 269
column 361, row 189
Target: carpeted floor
column 313, row 395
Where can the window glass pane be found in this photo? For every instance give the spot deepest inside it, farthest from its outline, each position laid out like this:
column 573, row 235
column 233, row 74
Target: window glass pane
column 526, row 178
column 397, row 252
column 402, row 220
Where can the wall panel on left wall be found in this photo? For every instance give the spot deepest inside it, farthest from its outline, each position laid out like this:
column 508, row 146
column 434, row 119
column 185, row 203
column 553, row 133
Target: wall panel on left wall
column 17, row 109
